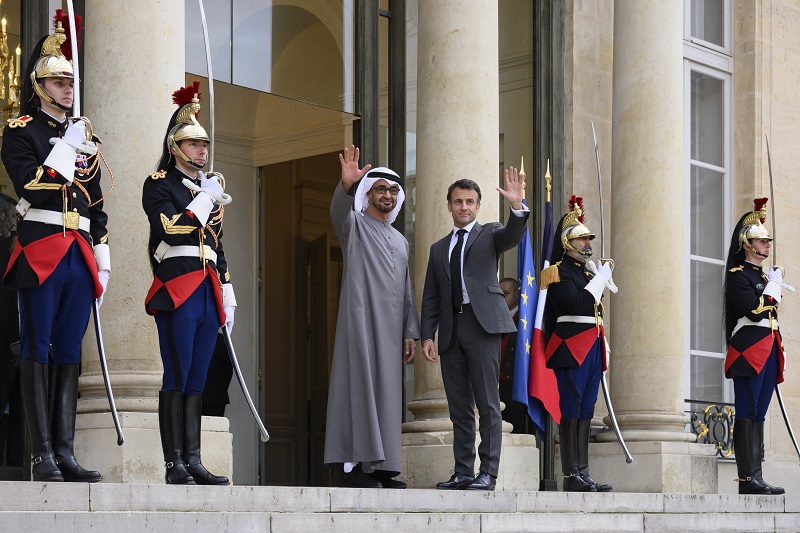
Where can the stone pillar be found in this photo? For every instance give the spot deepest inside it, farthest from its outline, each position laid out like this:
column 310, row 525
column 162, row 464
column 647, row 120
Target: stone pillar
column 648, row 244
column 458, row 136
column 129, row 77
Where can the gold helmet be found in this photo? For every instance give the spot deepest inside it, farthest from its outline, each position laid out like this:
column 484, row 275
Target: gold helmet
column 184, row 125
column 55, row 58
column 753, row 226
column 572, row 226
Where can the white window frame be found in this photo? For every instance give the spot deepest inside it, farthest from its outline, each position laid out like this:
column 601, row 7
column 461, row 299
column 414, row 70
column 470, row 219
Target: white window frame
column 714, row 61
column 727, row 48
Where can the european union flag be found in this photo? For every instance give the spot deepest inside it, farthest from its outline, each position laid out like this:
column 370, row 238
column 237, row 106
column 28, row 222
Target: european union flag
column 528, row 298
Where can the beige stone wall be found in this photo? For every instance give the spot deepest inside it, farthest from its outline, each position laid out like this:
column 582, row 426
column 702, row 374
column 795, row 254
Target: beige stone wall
column 767, row 102
column 588, row 64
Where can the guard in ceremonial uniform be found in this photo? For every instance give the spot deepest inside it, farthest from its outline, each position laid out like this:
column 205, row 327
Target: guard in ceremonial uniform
column 61, row 261
column 755, row 357
column 191, row 295
column 575, row 345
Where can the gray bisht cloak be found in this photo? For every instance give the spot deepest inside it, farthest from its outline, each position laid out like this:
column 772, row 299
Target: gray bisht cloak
column 376, row 312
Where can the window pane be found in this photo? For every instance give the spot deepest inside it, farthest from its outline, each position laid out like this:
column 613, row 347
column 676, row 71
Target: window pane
column 252, row 20
column 218, row 19
column 707, row 327
column 302, row 51
column 708, row 193
column 708, row 21
column 706, row 381
column 707, row 119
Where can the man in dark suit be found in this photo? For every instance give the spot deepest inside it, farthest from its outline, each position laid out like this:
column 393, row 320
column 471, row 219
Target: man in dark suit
column 463, row 299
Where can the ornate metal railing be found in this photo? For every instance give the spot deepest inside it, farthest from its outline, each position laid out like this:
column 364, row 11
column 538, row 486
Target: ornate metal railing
column 713, row 424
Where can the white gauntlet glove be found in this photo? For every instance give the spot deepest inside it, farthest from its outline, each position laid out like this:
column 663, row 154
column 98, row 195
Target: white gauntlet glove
column 775, row 284
column 102, row 275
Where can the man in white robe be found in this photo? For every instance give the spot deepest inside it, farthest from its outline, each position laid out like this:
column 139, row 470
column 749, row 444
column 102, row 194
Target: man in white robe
column 376, row 329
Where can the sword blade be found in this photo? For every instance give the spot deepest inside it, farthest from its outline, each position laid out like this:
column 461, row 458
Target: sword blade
column 76, row 93
column 613, row 418
column 772, row 211
column 600, row 189
column 210, row 87
column 242, row 384
column 106, row 378
column 785, row 419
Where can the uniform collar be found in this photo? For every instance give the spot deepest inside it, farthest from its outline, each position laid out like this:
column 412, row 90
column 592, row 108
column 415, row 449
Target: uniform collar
column 50, row 122
column 748, row 264
column 178, row 173
column 571, row 261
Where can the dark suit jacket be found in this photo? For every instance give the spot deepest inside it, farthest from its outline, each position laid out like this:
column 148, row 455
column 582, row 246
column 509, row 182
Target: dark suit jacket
column 481, row 256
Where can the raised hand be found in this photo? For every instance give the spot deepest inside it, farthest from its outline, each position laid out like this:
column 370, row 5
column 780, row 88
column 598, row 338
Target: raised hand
column 515, row 187
column 350, row 171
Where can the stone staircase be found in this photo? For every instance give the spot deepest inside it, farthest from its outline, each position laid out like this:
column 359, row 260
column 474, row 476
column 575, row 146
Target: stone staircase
column 123, row 508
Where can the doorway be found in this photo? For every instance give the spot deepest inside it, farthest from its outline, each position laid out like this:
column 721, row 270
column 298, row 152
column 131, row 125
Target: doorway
column 302, row 274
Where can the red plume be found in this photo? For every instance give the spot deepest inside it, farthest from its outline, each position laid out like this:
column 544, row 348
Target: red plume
column 66, row 48
column 184, row 96
column 577, row 200
column 758, row 205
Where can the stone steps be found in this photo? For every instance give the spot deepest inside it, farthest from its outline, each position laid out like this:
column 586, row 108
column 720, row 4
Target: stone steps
column 126, row 508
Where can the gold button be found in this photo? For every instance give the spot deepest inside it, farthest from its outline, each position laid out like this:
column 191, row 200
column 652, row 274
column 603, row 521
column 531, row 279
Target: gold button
column 75, row 209
column 74, row 195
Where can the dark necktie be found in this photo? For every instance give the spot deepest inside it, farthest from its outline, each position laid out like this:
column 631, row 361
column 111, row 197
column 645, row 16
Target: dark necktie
column 455, row 271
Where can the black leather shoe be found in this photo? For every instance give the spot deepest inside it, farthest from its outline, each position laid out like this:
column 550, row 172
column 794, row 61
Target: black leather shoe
column 386, row 479
column 356, row 478
column 484, row 481
column 457, row 481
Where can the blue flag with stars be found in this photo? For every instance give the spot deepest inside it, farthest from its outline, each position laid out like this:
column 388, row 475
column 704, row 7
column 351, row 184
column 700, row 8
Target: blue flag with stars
column 528, row 298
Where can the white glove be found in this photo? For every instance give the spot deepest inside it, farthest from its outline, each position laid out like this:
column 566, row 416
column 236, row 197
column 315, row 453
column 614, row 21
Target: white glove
column 605, row 270
column 775, row 274
column 102, row 275
column 76, row 133
column 229, row 317
column 210, row 184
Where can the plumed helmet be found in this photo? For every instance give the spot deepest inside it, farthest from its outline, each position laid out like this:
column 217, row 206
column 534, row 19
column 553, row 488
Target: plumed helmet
column 55, row 59
column 183, row 124
column 572, row 227
column 752, row 225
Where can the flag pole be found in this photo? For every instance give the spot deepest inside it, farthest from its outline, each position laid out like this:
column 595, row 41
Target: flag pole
column 547, row 480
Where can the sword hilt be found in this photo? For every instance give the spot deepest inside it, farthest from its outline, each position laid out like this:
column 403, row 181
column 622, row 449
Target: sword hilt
column 89, row 129
column 219, row 176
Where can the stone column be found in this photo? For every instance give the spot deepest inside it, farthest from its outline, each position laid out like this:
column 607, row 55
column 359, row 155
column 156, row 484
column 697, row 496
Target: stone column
column 648, row 244
column 129, row 74
column 458, row 137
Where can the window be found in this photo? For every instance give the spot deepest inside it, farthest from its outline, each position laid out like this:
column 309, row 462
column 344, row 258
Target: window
column 707, row 100
column 304, row 51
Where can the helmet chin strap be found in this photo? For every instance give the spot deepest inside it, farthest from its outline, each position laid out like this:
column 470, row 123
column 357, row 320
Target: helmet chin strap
column 173, row 146
column 752, row 248
column 47, row 98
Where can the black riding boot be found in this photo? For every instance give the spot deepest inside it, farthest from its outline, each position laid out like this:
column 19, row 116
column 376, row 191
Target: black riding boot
column 63, row 412
column 34, row 401
column 584, row 430
column 758, row 449
column 568, row 441
column 170, row 422
column 192, row 416
column 745, row 465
